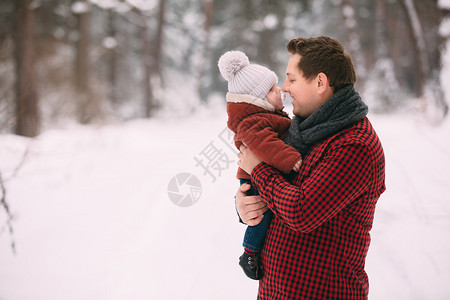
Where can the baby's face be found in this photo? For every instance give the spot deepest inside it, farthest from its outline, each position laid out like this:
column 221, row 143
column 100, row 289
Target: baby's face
column 274, row 97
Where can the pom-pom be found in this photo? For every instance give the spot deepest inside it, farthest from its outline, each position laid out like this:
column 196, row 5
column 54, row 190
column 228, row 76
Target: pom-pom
column 231, row 62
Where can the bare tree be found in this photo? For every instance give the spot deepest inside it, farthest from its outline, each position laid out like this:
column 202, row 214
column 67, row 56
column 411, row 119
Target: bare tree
column 203, row 81
column 82, row 73
column 3, row 199
column 82, row 70
column 381, row 87
column 419, row 44
column 430, row 88
column 147, row 59
column 353, row 42
column 88, row 106
column 9, row 216
column 27, row 113
column 111, row 45
column 159, row 40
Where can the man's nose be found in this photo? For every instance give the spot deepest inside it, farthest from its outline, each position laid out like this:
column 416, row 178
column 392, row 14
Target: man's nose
column 285, row 87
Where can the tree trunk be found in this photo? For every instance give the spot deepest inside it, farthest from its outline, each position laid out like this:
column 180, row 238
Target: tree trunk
column 147, row 59
column 85, row 106
column 159, row 40
column 419, row 41
column 433, row 101
column 208, row 10
column 82, row 57
column 381, row 87
column 112, row 58
column 381, row 38
column 27, row 113
column 353, row 42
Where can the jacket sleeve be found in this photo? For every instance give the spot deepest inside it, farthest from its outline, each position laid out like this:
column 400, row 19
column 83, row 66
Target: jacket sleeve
column 260, row 136
column 338, row 179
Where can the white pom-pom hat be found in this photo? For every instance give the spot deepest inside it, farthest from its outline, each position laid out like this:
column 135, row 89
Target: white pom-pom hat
column 246, row 78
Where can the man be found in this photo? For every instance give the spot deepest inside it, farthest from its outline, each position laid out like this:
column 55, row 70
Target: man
column 318, row 240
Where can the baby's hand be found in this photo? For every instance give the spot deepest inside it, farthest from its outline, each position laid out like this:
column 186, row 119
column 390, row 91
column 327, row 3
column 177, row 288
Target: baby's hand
column 297, row 165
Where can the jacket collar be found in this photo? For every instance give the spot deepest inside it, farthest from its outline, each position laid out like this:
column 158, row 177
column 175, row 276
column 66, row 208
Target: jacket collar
column 245, row 98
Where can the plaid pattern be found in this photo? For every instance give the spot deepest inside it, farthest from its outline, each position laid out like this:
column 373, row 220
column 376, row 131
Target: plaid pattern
column 318, row 240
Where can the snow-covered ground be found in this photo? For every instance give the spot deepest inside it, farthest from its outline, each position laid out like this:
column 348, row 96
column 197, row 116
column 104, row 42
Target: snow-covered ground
column 93, row 218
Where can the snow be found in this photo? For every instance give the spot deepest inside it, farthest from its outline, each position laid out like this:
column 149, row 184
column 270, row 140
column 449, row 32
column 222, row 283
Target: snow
column 143, row 4
column 79, row 7
column 109, row 42
column 105, row 4
column 409, row 254
column 444, row 4
column 93, row 218
column 270, row 21
column 348, row 11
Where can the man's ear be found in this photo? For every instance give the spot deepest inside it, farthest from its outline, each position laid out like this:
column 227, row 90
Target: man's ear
column 322, row 83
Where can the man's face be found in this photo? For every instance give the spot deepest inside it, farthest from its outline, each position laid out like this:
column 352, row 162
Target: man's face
column 304, row 92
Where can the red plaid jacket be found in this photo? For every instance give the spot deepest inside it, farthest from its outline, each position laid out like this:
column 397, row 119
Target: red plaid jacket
column 317, row 243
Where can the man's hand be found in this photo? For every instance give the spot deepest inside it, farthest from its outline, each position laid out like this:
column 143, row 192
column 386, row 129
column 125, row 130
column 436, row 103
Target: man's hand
column 297, row 166
column 247, row 160
column 250, row 208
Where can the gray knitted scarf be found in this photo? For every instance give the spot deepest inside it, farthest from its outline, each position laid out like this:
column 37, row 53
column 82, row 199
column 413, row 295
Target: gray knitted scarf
column 340, row 111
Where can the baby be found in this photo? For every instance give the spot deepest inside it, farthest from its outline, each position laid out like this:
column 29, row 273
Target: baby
column 254, row 107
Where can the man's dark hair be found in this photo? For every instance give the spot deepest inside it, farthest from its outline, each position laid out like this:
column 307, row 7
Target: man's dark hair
column 326, row 55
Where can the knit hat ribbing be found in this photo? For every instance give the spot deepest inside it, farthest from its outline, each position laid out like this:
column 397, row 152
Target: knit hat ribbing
column 246, row 78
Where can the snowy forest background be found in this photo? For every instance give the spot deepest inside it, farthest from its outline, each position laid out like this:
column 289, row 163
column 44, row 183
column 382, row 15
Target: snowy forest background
column 112, row 60
column 103, row 103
